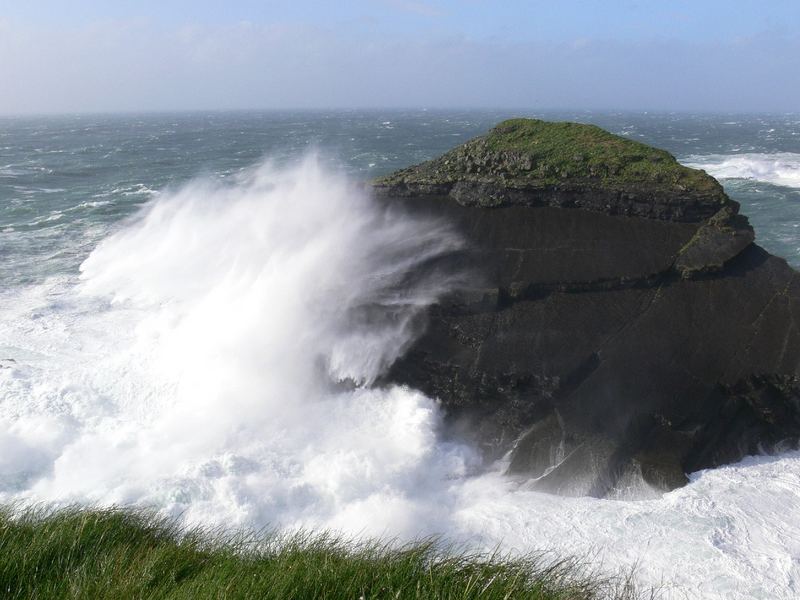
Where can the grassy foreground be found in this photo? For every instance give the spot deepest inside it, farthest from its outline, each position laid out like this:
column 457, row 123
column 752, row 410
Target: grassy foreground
column 115, row 554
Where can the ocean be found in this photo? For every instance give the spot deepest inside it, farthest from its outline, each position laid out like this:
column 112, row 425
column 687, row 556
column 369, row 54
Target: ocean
column 178, row 305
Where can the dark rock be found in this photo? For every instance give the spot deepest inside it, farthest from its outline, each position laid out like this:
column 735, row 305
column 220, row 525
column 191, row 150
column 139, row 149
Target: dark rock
column 618, row 319
column 718, row 240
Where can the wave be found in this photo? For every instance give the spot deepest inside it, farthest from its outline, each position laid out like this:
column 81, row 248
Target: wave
column 214, row 360
column 217, row 360
column 782, row 168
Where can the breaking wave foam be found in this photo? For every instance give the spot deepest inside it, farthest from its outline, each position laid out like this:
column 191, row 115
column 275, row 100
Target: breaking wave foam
column 782, row 168
column 205, row 375
column 214, row 361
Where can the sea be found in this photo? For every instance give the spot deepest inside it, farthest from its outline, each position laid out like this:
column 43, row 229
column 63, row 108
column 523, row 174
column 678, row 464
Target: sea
column 183, row 294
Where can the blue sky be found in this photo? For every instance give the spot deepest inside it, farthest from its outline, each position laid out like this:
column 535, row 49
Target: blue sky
column 88, row 55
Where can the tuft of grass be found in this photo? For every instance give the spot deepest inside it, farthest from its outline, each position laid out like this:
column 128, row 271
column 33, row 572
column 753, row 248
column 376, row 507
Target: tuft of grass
column 126, row 554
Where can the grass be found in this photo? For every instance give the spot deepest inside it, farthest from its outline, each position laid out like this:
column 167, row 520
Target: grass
column 99, row 554
column 523, row 152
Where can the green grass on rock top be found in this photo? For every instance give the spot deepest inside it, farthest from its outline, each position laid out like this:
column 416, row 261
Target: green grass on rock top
column 531, row 152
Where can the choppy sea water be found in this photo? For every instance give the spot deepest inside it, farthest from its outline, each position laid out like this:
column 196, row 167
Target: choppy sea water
column 180, row 292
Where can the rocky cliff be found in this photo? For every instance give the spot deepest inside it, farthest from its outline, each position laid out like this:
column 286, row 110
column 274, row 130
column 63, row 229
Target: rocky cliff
column 617, row 319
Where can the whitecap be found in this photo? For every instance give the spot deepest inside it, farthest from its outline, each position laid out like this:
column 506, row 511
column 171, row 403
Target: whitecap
column 782, row 168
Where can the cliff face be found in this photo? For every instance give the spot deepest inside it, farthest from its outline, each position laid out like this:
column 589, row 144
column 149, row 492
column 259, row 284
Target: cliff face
column 618, row 318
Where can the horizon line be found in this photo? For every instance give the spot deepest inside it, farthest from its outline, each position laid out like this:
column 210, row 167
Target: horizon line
column 432, row 109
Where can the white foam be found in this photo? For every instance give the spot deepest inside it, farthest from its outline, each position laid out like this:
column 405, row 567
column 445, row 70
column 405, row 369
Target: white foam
column 782, row 168
column 193, row 368
column 732, row 532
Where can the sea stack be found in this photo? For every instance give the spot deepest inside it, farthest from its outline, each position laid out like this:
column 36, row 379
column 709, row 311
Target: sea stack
column 617, row 318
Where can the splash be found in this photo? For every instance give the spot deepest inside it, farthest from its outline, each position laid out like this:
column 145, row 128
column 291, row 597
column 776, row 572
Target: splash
column 224, row 319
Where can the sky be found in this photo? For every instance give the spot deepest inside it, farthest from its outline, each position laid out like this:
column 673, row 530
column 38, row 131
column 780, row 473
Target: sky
column 123, row 55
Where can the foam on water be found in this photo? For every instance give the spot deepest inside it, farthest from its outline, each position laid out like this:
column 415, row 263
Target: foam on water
column 781, row 168
column 214, row 360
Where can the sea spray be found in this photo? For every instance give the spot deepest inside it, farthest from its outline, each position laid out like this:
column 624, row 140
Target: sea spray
column 234, row 310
